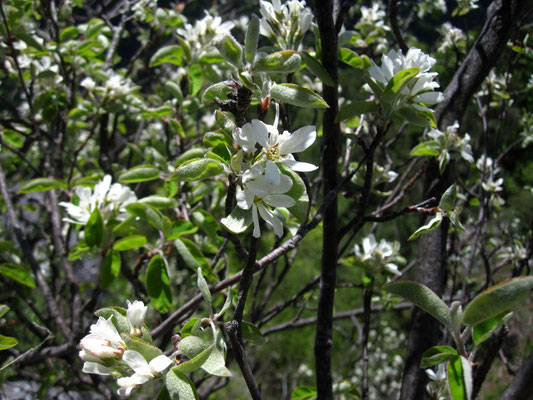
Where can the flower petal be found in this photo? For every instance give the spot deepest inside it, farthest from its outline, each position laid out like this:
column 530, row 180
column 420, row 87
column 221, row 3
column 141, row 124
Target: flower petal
column 300, row 140
column 299, row 166
column 255, row 218
column 271, row 219
column 160, row 363
column 95, row 368
column 279, row 200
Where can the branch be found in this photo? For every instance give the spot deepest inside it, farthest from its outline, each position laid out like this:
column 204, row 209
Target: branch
column 522, row 385
column 393, row 18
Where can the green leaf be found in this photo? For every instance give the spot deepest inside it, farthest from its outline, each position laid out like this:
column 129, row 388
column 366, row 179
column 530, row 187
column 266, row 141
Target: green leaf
column 94, row 230
column 146, row 213
column 285, row 61
column 40, row 185
column 181, row 228
column 237, row 221
column 192, row 346
column 212, row 139
column 399, row 80
column 423, row 297
column 219, row 90
column 433, row 224
column 298, row 192
column 429, row 148
column 148, row 350
column 304, row 393
column 18, row 273
column 158, row 202
column 484, row 330
column 175, row 91
column 203, row 287
column 230, row 49
column 225, row 122
column 199, row 168
column 437, row 355
column 196, row 78
column 7, row 342
column 179, row 386
column 158, row 284
column 3, row 310
column 13, row 138
column 207, row 223
column 297, row 96
column 447, row 201
column 215, row 364
column 190, row 327
column 172, row 54
column 460, row 379
column 252, row 333
column 316, row 67
column 141, row 173
column 351, row 58
column 251, row 39
column 193, row 257
column 351, row 110
column 196, row 362
column 69, row 33
column 423, row 119
column 110, row 268
column 130, row 242
column 190, row 155
column 497, row 299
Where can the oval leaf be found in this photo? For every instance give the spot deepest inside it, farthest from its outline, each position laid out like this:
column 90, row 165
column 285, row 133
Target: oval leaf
column 172, row 54
column 297, row 96
column 40, row 185
column 110, row 268
column 316, row 67
column 179, row 386
column 497, row 299
column 7, row 342
column 280, row 61
column 18, row 274
column 140, row 173
column 158, row 284
column 199, row 168
column 196, row 362
column 423, row 297
column 437, row 355
column 129, row 242
column 94, row 230
column 251, row 39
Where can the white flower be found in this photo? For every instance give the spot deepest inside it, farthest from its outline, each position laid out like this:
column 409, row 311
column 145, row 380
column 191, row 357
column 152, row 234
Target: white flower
column 374, row 16
column 135, row 316
column 379, row 255
column 452, row 37
column 88, row 83
column 439, row 375
column 419, row 89
column 102, row 344
column 107, row 198
column 262, row 190
column 143, row 371
column 277, row 148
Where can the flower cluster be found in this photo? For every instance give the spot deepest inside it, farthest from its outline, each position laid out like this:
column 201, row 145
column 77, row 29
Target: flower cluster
column 443, row 144
column 374, row 256
column 417, row 90
column 453, row 38
column 200, row 36
column 104, row 352
column 262, row 185
column 110, row 200
column 285, row 24
column 488, row 170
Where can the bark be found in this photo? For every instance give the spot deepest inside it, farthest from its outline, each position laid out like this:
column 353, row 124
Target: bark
column 325, row 11
column 522, row 385
column 502, row 19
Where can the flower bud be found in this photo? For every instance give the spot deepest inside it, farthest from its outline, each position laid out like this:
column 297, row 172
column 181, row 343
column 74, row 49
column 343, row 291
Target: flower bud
column 135, row 315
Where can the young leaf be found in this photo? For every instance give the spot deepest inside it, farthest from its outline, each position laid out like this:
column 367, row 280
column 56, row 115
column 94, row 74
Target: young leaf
column 130, row 242
column 447, row 201
column 351, row 58
column 146, row 213
column 193, row 257
column 158, row 202
column 237, row 221
column 18, row 273
column 399, row 80
column 497, row 299
column 230, row 49
column 219, row 90
column 429, row 148
column 215, row 364
column 192, row 346
column 437, row 355
column 433, row 224
column 423, row 297
column 484, row 330
column 203, row 287
column 189, row 328
column 417, row 117
column 181, row 228
column 281, row 61
column 179, row 386
column 148, row 350
column 158, row 284
column 199, row 168
column 94, row 230
column 172, row 54
column 252, row 38
column 316, row 67
column 297, row 96
column 110, row 268
column 40, row 185
column 460, row 379
column 252, row 333
column 141, row 173
column 304, row 393
column 3, row 310
column 7, row 342
column 196, row 362
column 298, row 192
